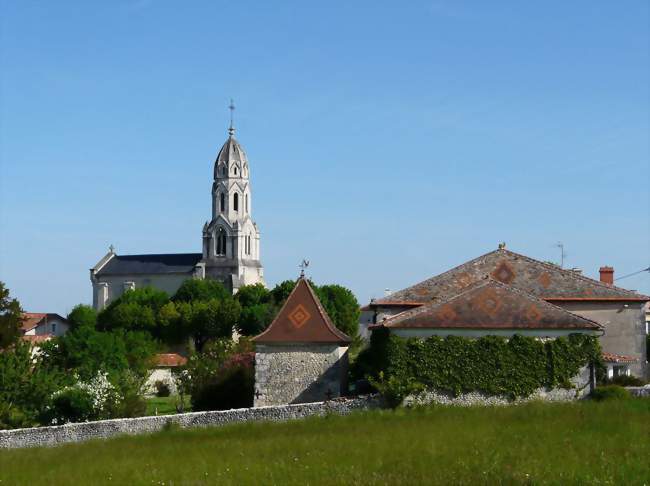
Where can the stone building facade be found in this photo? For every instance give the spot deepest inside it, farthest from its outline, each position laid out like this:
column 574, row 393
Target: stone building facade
column 230, row 242
column 301, row 357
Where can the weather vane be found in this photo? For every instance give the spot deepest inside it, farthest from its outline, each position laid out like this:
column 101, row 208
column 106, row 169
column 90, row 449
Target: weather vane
column 303, row 266
column 231, row 107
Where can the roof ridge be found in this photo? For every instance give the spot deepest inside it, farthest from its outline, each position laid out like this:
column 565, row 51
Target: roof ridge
column 569, row 273
column 441, row 275
column 319, row 305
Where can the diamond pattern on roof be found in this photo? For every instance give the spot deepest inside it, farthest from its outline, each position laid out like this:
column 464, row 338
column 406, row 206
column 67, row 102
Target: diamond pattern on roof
column 299, row 316
column 504, row 272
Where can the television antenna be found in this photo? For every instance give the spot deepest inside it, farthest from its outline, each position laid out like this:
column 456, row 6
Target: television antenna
column 560, row 245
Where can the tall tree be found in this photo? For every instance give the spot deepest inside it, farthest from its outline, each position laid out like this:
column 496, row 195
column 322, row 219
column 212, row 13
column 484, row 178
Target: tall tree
column 194, row 289
column 82, row 315
column 10, row 318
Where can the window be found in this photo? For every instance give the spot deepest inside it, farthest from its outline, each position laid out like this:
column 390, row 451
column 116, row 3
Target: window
column 235, row 202
column 246, row 199
column 235, row 170
column 54, row 328
column 222, row 202
column 221, row 242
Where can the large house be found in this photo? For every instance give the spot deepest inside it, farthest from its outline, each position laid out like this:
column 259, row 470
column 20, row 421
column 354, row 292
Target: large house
column 230, row 243
column 619, row 313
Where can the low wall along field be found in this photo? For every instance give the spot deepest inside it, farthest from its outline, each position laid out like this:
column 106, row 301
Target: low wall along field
column 78, row 432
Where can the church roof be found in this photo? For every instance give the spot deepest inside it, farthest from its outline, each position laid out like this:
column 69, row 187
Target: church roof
column 490, row 305
column 151, row 264
column 302, row 319
column 544, row 280
column 231, row 151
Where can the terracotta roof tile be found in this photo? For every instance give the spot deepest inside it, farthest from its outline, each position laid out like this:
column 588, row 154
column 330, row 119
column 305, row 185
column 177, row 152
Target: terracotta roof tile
column 543, row 280
column 490, row 305
column 302, row 319
column 170, row 360
column 617, row 358
column 37, row 339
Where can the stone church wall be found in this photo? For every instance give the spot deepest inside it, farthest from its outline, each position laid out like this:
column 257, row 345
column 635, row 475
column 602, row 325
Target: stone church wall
column 299, row 373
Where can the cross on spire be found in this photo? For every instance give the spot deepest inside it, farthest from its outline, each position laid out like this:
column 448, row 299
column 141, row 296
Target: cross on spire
column 231, row 107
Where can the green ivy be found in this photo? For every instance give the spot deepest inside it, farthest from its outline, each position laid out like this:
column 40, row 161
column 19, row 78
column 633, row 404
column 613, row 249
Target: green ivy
column 494, row 365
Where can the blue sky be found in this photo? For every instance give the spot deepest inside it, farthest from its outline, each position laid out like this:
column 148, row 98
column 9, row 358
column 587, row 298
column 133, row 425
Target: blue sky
column 388, row 141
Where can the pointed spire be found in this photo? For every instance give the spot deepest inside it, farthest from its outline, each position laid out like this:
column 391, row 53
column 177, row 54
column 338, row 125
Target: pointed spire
column 231, row 128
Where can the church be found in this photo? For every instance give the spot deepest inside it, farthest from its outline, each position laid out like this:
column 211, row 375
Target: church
column 230, row 241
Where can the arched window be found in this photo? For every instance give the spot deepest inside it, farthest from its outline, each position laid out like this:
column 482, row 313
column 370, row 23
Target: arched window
column 222, row 202
column 235, row 202
column 246, row 199
column 235, row 170
column 221, row 242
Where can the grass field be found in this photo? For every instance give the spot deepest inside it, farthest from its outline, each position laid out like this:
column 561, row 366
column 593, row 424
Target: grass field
column 165, row 405
column 535, row 443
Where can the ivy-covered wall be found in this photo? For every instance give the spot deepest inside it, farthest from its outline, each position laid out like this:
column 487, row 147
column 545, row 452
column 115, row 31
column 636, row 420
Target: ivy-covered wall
column 493, row 365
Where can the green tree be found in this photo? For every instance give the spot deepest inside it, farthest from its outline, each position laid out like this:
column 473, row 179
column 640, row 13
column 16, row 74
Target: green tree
column 342, row 307
column 25, row 386
column 211, row 319
column 10, row 318
column 135, row 310
column 258, row 309
column 82, row 315
column 249, row 295
column 281, row 291
column 194, row 289
column 85, row 351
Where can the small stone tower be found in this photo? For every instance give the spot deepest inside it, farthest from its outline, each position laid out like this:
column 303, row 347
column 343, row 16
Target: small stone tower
column 301, row 357
column 231, row 240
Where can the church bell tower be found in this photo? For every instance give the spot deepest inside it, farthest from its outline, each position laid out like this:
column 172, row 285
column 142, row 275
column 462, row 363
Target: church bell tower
column 231, row 240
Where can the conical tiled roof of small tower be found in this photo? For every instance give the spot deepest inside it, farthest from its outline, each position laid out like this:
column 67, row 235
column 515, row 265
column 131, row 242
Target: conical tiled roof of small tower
column 302, row 319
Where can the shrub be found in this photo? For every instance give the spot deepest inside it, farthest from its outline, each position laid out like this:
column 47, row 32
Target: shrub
column 625, row 380
column 610, row 392
column 491, row 364
column 26, row 386
column 162, row 389
column 71, row 405
column 85, row 400
column 231, row 387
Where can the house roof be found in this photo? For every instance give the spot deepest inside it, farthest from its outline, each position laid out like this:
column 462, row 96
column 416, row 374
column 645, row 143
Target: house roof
column 36, row 340
column 170, row 360
column 617, row 358
column 151, row 264
column 302, row 319
column 34, row 319
column 490, row 304
column 543, row 280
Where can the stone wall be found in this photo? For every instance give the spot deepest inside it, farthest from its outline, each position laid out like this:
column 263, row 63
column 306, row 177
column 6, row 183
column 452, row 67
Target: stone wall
column 49, row 436
column 299, row 373
column 582, row 384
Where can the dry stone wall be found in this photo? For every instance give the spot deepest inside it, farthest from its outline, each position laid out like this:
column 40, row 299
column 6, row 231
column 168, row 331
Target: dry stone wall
column 50, row 436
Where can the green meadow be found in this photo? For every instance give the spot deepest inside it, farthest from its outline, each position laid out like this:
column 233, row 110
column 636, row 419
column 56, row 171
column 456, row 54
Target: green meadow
column 534, row 443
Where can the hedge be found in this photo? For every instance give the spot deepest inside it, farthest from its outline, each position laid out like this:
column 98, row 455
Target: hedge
column 515, row 367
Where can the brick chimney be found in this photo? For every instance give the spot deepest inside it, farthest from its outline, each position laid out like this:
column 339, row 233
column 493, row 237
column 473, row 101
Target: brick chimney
column 607, row 275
